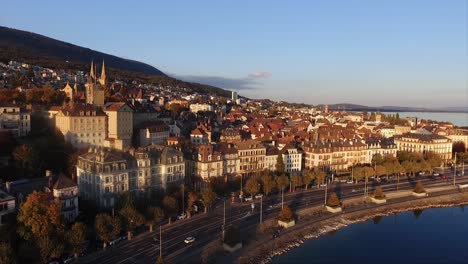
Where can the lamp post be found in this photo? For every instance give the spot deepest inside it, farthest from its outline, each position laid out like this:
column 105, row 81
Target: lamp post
column 241, row 193
column 224, row 218
column 160, row 241
column 455, row 169
column 183, row 199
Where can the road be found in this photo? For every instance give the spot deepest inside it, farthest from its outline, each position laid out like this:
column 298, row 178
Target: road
column 207, row 227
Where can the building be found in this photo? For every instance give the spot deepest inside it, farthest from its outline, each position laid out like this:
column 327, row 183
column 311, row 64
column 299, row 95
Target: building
column 66, row 191
column 7, row 206
column 423, row 143
column 153, row 133
column 15, row 119
column 103, row 174
column 95, row 94
column 206, row 162
column 271, row 158
column 458, row 135
column 234, row 96
column 119, row 125
column 82, row 125
column 251, row 155
column 68, row 90
column 158, row 167
column 292, row 159
column 230, row 135
column 230, row 157
column 200, row 135
column 194, row 108
column 384, row 147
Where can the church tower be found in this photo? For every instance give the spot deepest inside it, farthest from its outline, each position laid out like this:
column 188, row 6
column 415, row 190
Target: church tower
column 102, row 79
column 91, row 72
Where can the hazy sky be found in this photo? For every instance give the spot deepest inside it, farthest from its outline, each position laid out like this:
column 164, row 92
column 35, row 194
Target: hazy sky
column 408, row 52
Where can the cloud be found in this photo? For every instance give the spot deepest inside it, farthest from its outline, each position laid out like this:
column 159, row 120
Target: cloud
column 255, row 75
column 246, row 83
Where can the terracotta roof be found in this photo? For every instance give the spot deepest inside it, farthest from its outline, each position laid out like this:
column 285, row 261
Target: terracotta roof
column 64, row 182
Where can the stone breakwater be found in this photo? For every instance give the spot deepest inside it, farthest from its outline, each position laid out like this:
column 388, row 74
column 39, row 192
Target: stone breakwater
column 317, row 229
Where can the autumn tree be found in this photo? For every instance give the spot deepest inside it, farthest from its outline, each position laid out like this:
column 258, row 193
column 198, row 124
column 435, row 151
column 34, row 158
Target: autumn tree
column 380, row 170
column 280, row 167
column 251, row 186
column 207, row 198
column 26, row 159
column 51, row 247
column 282, row 181
column 296, row 181
column 378, row 193
column 170, row 206
column 285, row 214
column 191, row 199
column 153, row 215
column 6, row 253
column 131, row 219
column 377, row 159
column 77, row 238
column 307, row 177
column 333, row 200
column 267, row 183
column 419, row 188
column 107, row 227
column 319, row 176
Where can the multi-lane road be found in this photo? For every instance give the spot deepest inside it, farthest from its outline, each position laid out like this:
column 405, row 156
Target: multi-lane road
column 207, row 228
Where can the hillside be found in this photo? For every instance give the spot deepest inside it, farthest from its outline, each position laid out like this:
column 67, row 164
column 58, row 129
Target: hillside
column 385, row 108
column 40, row 50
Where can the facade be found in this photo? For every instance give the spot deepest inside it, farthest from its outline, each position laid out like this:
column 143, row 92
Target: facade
column 103, row 174
column 15, row 119
column 68, row 90
column 384, row 147
column 66, row 191
column 154, row 133
column 230, row 135
column 200, row 135
column 119, row 125
column 194, row 108
column 252, row 156
column 206, row 162
column 271, row 158
column 292, row 159
column 230, row 157
column 95, row 90
column 423, row 143
column 82, row 125
column 458, row 135
column 336, row 156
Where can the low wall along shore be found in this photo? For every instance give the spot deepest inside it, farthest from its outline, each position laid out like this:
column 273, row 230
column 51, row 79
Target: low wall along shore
column 310, row 226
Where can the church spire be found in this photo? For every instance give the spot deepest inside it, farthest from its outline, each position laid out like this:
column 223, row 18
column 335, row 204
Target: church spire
column 91, row 72
column 102, row 79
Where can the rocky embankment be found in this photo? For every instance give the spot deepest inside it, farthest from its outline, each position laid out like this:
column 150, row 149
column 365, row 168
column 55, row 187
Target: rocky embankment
column 263, row 251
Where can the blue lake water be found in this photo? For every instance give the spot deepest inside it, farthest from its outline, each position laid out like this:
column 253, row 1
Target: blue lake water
column 431, row 236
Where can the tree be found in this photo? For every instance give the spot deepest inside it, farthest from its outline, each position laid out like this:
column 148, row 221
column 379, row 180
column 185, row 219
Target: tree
column 307, row 177
column 208, row 196
column 26, row 159
column 77, row 237
column 378, row 193
column 285, row 215
column 39, row 216
column 50, row 248
column 153, row 216
column 377, row 159
column 6, row 253
column 131, row 219
column 280, row 167
column 267, row 183
column 358, row 173
column 409, row 166
column 232, row 236
column 319, row 176
column 282, row 181
column 458, row 147
column 125, row 200
column 433, row 159
column 296, row 180
column 380, row 170
column 333, row 200
column 170, row 206
column 251, row 186
column 107, row 227
column 191, row 199
column 419, row 188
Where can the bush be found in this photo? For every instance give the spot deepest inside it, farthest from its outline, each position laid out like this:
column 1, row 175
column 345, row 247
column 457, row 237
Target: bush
column 232, row 235
column 333, row 200
column 378, row 193
column 419, row 188
column 285, row 215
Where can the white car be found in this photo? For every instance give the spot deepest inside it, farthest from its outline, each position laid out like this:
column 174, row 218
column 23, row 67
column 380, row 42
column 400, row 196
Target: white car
column 189, row 240
column 249, row 198
column 349, row 182
column 182, row 216
column 435, row 174
column 258, row 196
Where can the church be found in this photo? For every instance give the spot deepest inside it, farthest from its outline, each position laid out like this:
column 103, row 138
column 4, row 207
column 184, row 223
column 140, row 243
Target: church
column 95, row 87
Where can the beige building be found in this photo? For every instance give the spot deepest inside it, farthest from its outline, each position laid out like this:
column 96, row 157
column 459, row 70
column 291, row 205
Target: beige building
column 95, row 89
column 153, row 133
column 119, row 125
column 82, row 125
column 206, row 162
column 252, row 156
column 230, row 157
column 15, row 119
column 458, row 135
column 68, row 90
column 336, row 156
column 423, row 143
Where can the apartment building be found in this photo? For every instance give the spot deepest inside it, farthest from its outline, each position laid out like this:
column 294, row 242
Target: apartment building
column 423, row 143
column 251, row 155
column 15, row 119
column 119, row 125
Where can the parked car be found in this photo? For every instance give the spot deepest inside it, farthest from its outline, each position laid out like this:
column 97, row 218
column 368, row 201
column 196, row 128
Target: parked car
column 248, row 198
column 182, row 216
column 443, row 177
column 115, row 241
column 349, row 181
column 258, row 196
column 189, row 240
column 69, row 259
column 435, row 174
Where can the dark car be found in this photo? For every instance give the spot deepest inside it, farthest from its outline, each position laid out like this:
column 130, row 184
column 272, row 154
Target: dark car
column 443, row 177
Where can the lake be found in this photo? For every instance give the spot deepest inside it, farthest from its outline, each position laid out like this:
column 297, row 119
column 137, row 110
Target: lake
column 430, row 236
column 459, row 119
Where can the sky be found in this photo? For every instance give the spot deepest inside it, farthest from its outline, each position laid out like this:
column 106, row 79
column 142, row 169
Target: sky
column 389, row 52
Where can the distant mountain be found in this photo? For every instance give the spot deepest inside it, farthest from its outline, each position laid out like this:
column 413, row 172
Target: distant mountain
column 29, row 47
column 386, row 108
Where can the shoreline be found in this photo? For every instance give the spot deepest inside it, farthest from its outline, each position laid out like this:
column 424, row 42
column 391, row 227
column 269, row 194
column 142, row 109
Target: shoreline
column 265, row 251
